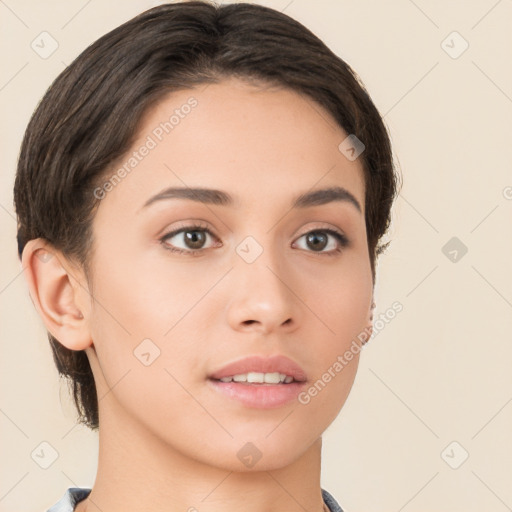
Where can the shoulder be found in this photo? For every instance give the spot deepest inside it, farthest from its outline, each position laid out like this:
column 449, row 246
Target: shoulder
column 71, row 497
column 331, row 503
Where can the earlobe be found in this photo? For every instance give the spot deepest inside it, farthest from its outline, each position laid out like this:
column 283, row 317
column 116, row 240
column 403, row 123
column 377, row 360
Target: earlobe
column 369, row 326
column 56, row 294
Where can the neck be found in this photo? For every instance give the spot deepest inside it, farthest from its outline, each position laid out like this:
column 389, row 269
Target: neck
column 138, row 471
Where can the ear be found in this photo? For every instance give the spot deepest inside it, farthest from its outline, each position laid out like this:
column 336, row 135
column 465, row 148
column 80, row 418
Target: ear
column 58, row 292
column 369, row 326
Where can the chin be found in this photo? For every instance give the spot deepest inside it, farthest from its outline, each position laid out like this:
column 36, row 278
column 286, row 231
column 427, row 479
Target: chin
column 257, row 453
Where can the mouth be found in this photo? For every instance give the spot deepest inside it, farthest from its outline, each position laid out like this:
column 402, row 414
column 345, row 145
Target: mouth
column 259, row 382
column 259, row 378
column 261, row 370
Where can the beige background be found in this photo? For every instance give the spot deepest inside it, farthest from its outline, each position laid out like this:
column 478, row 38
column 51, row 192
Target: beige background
column 437, row 373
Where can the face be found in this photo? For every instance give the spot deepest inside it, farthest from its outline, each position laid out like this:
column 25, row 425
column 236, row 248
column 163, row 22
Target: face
column 188, row 283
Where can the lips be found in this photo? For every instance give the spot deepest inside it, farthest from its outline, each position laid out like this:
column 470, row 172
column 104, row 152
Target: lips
column 259, row 364
column 259, row 395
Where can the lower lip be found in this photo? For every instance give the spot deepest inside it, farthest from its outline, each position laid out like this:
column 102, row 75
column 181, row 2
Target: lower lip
column 259, row 396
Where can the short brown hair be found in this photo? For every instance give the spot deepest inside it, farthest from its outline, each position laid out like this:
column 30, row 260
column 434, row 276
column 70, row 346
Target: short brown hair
column 89, row 118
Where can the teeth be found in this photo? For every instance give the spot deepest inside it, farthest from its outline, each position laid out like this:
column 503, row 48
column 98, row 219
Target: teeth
column 259, row 378
column 271, row 378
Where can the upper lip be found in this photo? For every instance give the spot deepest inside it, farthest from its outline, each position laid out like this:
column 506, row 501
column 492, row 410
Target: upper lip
column 261, row 364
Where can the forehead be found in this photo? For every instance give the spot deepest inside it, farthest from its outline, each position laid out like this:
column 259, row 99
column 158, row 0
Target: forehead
column 258, row 143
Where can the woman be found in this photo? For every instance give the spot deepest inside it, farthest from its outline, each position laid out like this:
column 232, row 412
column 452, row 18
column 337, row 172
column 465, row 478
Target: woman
column 200, row 200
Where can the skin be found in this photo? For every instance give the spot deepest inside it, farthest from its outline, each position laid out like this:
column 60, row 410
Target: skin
column 167, row 440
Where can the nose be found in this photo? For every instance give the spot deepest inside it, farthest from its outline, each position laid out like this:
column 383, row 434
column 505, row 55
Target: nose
column 262, row 298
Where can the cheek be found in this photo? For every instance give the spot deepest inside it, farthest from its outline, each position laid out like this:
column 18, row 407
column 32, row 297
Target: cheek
column 344, row 311
column 341, row 302
column 327, row 393
column 141, row 323
column 124, row 323
column 139, row 370
column 340, row 298
column 132, row 299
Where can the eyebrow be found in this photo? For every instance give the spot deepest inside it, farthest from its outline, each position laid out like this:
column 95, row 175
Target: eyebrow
column 221, row 198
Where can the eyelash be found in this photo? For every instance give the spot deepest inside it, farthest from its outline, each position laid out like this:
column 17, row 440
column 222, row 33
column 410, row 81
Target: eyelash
column 343, row 241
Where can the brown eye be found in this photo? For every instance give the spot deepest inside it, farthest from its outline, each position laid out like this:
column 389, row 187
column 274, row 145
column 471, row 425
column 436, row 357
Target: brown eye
column 194, row 239
column 189, row 239
column 318, row 241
